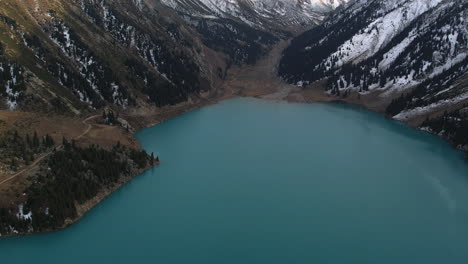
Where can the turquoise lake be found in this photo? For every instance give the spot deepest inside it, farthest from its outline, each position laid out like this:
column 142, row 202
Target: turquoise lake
column 252, row 181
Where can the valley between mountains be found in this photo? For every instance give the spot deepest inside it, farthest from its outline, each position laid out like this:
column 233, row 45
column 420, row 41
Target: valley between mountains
column 79, row 77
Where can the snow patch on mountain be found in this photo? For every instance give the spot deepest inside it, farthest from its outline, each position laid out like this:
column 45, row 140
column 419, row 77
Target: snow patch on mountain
column 258, row 13
column 380, row 32
column 424, row 110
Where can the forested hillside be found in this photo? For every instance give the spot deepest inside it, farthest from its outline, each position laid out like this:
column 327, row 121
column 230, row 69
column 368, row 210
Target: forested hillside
column 75, row 55
column 69, row 61
column 68, row 180
column 266, row 15
column 244, row 30
column 410, row 56
column 75, row 61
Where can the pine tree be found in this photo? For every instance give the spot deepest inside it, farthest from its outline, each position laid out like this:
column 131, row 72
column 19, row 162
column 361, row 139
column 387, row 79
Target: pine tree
column 383, row 80
column 49, row 141
column 27, row 159
column 66, row 144
column 14, row 164
column 35, row 140
column 28, row 141
column 16, row 136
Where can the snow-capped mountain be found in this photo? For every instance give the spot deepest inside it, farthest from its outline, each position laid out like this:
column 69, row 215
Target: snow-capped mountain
column 260, row 13
column 389, row 47
column 245, row 29
column 410, row 56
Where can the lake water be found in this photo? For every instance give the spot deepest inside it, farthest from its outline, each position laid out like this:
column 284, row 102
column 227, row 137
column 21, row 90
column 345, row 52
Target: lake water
column 252, row 181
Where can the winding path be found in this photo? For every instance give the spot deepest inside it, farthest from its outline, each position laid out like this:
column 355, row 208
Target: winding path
column 58, row 147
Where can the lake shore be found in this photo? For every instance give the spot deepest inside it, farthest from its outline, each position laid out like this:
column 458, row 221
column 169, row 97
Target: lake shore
column 83, row 209
column 259, row 81
column 159, row 118
column 243, row 200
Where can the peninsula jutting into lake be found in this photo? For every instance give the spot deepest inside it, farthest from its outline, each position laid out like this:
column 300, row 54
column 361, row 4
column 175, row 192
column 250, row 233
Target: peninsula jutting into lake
column 241, row 131
column 254, row 188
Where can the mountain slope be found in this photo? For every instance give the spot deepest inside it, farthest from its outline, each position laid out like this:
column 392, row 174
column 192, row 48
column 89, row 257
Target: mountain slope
column 409, row 57
column 75, row 55
column 80, row 54
column 262, row 14
column 245, row 29
column 63, row 65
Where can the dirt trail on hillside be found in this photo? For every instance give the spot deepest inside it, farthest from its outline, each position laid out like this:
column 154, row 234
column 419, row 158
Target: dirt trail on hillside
column 45, row 155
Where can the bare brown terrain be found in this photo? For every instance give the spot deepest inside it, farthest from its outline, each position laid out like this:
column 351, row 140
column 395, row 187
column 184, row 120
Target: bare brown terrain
column 261, row 80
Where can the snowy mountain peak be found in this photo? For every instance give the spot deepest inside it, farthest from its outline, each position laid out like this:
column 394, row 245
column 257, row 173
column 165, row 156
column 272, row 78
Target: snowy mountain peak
column 412, row 53
column 260, row 13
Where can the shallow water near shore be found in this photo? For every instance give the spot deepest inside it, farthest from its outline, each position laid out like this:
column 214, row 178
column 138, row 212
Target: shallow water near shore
column 254, row 181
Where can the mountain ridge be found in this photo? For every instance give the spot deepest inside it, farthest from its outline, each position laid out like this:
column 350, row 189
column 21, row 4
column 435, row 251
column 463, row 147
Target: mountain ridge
column 263, row 14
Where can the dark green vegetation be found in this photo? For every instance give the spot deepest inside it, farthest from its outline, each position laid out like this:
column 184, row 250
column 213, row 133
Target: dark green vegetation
column 16, row 150
column 452, row 126
column 80, row 56
column 348, row 187
column 242, row 43
column 75, row 57
column 87, row 54
column 305, row 60
column 110, row 118
column 431, row 90
column 83, row 55
column 68, row 178
column 301, row 64
column 177, row 67
column 11, row 77
column 415, row 63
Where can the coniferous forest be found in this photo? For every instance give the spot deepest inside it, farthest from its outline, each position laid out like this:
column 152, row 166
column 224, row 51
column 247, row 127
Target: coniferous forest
column 17, row 150
column 141, row 62
column 452, row 126
column 68, row 178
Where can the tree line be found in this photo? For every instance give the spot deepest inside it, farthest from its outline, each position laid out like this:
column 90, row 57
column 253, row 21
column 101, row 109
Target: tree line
column 17, row 150
column 68, row 177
